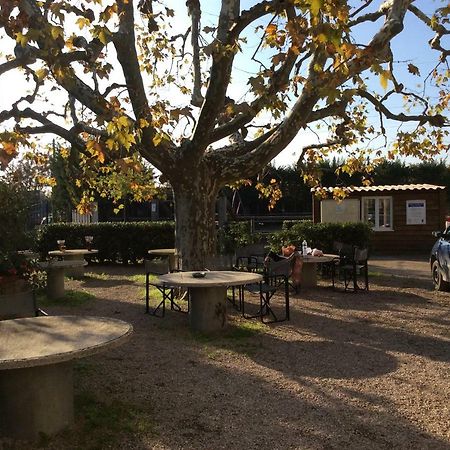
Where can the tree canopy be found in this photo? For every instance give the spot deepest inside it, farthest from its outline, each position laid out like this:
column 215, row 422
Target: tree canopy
column 121, row 82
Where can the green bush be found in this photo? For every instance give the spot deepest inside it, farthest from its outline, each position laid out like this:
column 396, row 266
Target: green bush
column 320, row 235
column 235, row 235
column 115, row 241
column 14, row 201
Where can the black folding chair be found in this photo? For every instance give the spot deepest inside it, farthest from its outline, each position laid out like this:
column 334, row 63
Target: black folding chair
column 251, row 258
column 351, row 269
column 276, row 278
column 159, row 267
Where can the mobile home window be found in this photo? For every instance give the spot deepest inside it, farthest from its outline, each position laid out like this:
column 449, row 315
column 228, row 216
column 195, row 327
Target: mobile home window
column 377, row 211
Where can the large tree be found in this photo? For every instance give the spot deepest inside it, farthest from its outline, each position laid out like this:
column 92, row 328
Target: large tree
column 133, row 84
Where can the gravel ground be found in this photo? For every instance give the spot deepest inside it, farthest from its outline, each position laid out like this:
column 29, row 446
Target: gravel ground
column 366, row 370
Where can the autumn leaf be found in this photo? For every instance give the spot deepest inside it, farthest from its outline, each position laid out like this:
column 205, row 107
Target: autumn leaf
column 110, row 143
column 82, row 22
column 384, row 78
column 41, row 74
column 56, row 32
column 413, row 69
column 9, row 148
column 21, row 39
column 315, row 7
column 271, row 29
column 122, row 121
column 96, row 149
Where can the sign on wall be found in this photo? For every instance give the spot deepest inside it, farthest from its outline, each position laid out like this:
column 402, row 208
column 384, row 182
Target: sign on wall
column 348, row 210
column 416, row 212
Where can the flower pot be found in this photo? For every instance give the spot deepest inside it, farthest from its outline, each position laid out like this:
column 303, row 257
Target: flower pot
column 18, row 302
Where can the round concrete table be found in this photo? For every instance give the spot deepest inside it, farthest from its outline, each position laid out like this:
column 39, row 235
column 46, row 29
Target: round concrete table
column 36, row 362
column 29, row 254
column 55, row 275
column 309, row 269
column 171, row 254
column 207, row 312
column 71, row 255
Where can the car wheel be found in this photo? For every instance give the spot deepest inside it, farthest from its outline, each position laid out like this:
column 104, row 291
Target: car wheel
column 439, row 283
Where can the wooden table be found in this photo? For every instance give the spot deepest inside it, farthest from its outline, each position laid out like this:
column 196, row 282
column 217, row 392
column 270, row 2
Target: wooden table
column 170, row 253
column 55, row 275
column 207, row 312
column 309, row 269
column 71, row 255
column 36, row 365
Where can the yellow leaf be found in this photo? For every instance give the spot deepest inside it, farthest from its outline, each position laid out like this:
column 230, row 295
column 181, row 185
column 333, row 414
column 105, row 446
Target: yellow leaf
column 41, row 74
column 315, row 7
column 111, row 128
column 384, row 77
column 101, row 156
column 123, row 120
column 9, row 147
column 110, row 143
column 56, row 32
column 82, row 22
column 21, row 39
column 103, row 37
column 157, row 138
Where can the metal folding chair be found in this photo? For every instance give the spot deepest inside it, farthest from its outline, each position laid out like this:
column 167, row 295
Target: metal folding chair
column 159, row 267
column 276, row 278
column 250, row 258
column 350, row 269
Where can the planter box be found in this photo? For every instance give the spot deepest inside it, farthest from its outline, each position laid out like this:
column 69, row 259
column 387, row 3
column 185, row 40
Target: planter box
column 17, row 304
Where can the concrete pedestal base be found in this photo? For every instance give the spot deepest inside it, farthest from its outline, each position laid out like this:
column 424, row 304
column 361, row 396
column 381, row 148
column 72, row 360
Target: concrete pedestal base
column 18, row 304
column 55, row 283
column 309, row 275
column 78, row 270
column 36, row 400
column 208, row 309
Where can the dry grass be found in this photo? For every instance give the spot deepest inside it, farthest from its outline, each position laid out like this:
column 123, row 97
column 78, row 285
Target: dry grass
column 359, row 371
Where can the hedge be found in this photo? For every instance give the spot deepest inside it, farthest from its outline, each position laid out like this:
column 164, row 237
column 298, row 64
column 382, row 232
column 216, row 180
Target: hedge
column 115, row 241
column 320, row 235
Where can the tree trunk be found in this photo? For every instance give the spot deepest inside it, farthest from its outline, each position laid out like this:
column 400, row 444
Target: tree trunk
column 195, row 226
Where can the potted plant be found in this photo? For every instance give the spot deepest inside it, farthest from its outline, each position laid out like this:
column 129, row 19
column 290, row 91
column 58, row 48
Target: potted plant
column 17, row 275
column 17, row 270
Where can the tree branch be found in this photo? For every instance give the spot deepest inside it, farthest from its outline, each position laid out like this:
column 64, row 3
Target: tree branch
column 279, row 78
column 47, row 125
column 13, row 64
column 223, row 52
column 124, row 42
column 195, row 13
column 436, row 120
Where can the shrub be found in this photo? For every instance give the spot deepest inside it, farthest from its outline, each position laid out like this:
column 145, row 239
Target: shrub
column 320, row 235
column 115, row 241
column 14, row 202
column 235, row 235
